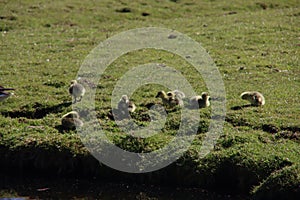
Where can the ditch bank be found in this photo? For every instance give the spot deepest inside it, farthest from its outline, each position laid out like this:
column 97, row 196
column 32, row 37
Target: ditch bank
column 228, row 170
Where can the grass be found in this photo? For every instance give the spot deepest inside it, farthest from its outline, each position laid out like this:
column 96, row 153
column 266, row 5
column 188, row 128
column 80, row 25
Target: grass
column 254, row 44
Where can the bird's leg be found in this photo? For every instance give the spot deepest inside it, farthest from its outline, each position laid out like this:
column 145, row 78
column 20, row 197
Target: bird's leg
column 75, row 100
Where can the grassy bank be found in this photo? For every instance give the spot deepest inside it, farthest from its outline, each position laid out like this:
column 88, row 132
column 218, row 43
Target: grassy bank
column 255, row 45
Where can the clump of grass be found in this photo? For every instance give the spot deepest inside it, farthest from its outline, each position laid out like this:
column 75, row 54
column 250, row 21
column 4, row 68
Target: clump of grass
column 281, row 184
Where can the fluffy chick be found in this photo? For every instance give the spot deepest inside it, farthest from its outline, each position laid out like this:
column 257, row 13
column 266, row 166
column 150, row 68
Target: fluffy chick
column 176, row 94
column 126, row 104
column 254, row 97
column 3, row 94
column 71, row 120
column 200, row 101
column 76, row 90
column 169, row 99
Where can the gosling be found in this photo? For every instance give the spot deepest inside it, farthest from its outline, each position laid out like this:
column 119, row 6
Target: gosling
column 176, row 93
column 200, row 101
column 254, row 97
column 76, row 90
column 3, row 94
column 71, row 120
column 170, row 99
column 125, row 103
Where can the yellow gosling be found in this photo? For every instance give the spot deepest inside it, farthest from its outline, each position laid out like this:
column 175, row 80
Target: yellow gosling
column 169, row 99
column 125, row 103
column 254, row 97
column 131, row 106
column 71, row 120
column 76, row 90
column 176, row 93
column 200, row 101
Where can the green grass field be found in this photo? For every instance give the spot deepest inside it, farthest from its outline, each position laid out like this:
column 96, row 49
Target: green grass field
column 255, row 46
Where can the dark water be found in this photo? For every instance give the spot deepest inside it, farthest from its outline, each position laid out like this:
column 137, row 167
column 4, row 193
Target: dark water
column 62, row 188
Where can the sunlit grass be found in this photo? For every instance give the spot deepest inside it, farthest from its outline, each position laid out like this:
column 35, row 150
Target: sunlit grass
column 255, row 46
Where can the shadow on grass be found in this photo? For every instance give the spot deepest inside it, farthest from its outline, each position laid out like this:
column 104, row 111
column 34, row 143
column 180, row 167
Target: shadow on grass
column 240, row 107
column 36, row 111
